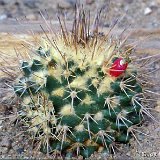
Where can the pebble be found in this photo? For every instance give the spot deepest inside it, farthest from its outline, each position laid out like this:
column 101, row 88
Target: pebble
column 20, row 150
column 31, row 17
column 128, row 153
column 67, row 4
column 89, row 2
column 2, row 2
column 2, row 107
column 3, row 150
column 5, row 142
column 147, row 11
column 3, row 16
column 153, row 5
column 157, row 108
column 157, row 129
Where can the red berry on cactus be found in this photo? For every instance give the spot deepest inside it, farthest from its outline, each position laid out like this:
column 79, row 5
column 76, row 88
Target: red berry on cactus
column 118, row 67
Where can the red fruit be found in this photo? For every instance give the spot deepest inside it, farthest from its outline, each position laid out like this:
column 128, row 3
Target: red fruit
column 118, row 67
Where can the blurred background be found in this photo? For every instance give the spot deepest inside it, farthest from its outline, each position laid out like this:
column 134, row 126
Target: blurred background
column 137, row 13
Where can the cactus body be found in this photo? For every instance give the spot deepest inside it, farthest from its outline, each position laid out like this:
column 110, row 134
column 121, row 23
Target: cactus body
column 77, row 96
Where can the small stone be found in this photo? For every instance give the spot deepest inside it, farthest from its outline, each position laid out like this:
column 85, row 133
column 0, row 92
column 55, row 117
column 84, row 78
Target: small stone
column 20, row 150
column 157, row 129
column 3, row 16
column 5, row 142
column 147, row 11
column 128, row 153
column 157, row 108
column 67, row 4
column 2, row 2
column 31, row 17
column 3, row 150
column 16, row 3
column 89, row 2
column 11, row 151
column 153, row 4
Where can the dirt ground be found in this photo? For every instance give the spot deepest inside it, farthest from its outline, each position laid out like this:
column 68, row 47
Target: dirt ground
column 134, row 14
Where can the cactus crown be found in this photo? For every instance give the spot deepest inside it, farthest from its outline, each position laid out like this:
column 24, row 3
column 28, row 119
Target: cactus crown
column 79, row 91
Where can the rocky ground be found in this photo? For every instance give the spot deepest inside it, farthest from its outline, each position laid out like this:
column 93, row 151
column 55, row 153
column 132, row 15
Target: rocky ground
column 136, row 14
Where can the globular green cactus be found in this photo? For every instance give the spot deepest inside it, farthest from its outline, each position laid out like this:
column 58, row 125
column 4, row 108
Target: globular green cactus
column 79, row 93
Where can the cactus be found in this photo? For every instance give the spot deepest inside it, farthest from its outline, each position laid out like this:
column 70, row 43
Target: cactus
column 79, row 92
